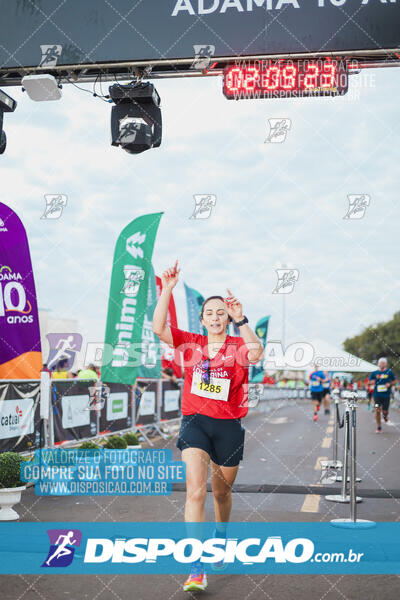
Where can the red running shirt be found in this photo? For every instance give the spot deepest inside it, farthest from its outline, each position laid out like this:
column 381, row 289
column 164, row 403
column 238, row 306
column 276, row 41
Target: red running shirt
column 231, row 362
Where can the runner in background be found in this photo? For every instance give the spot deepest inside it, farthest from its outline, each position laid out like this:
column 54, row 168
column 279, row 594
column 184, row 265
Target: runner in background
column 61, row 370
column 214, row 400
column 383, row 379
column 369, row 386
column 326, row 384
column 316, row 389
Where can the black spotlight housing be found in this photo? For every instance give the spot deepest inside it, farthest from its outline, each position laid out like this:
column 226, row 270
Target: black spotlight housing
column 7, row 104
column 3, row 138
column 136, row 123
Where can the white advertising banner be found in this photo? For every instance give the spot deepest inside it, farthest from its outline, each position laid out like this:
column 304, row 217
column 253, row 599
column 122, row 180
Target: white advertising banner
column 75, row 411
column 147, row 403
column 171, row 400
column 16, row 417
column 117, row 406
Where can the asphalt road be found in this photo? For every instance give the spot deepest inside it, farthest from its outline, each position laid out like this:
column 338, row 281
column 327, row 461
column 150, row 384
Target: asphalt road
column 282, row 448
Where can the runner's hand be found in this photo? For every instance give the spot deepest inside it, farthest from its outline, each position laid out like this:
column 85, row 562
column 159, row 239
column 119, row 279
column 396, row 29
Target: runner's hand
column 234, row 307
column 170, row 277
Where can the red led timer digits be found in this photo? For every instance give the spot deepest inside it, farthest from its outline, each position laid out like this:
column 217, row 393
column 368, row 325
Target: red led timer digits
column 307, row 77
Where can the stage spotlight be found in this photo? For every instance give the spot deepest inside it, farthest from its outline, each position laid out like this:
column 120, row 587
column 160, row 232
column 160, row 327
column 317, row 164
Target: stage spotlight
column 3, row 140
column 7, row 104
column 136, row 123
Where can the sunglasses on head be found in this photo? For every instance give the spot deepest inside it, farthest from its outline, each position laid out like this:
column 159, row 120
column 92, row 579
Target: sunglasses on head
column 205, row 367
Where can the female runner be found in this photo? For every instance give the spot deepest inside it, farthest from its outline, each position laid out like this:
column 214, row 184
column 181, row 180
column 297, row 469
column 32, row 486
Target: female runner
column 213, row 402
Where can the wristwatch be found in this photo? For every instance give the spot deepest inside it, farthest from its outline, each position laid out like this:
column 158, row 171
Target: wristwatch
column 242, row 322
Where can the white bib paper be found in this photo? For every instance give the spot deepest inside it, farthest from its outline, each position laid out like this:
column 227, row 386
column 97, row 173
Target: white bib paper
column 217, row 389
column 381, row 388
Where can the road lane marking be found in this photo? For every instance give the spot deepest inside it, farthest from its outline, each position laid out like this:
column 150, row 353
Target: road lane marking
column 329, row 430
column 311, row 503
column 317, row 464
column 330, row 422
column 326, row 442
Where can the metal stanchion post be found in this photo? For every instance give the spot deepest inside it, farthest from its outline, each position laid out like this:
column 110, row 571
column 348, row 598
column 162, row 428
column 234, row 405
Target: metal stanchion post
column 334, row 463
column 339, row 478
column 344, row 497
column 352, row 521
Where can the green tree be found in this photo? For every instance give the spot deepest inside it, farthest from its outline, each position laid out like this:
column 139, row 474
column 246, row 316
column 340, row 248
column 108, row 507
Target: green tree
column 379, row 340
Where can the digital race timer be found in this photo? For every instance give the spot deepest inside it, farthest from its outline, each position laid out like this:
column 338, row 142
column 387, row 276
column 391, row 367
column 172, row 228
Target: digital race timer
column 285, row 79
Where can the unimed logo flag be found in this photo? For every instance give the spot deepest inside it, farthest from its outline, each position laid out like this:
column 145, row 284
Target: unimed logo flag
column 128, row 299
column 20, row 350
column 150, row 366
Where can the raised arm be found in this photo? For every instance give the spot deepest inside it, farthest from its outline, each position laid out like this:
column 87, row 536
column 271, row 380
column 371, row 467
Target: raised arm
column 169, row 280
column 251, row 340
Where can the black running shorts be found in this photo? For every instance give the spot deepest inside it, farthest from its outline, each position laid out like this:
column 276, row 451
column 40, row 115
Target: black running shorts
column 382, row 402
column 317, row 396
column 222, row 439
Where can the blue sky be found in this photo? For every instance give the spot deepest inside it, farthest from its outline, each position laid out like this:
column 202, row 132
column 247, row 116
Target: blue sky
column 275, row 202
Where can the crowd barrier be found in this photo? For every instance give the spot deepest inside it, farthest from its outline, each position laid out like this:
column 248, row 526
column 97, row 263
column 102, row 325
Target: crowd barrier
column 20, row 423
column 50, row 413
column 72, row 415
column 284, row 394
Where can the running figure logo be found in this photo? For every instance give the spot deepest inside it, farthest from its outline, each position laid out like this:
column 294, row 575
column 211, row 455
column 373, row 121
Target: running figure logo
column 62, row 550
column 286, row 281
column 128, row 128
column 278, row 130
column 55, row 204
column 357, row 206
column 50, row 54
column 63, row 346
column 202, row 54
column 203, row 205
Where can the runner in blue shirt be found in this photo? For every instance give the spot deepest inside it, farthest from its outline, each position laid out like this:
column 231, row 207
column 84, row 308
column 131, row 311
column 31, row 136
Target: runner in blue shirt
column 316, row 389
column 384, row 379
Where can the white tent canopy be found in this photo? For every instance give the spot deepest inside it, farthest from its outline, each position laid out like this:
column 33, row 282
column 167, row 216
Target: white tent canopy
column 325, row 355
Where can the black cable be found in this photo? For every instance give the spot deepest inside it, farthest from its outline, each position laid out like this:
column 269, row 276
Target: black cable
column 88, row 91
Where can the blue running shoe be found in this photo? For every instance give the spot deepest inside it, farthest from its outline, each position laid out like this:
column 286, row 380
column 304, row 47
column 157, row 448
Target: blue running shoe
column 220, row 565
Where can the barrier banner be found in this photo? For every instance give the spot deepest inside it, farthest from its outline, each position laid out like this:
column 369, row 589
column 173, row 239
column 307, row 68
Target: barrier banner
column 128, row 298
column 19, row 416
column 145, row 402
column 170, row 401
column 150, row 366
column 170, row 357
column 116, row 412
column 20, row 350
column 285, row 394
column 73, row 417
